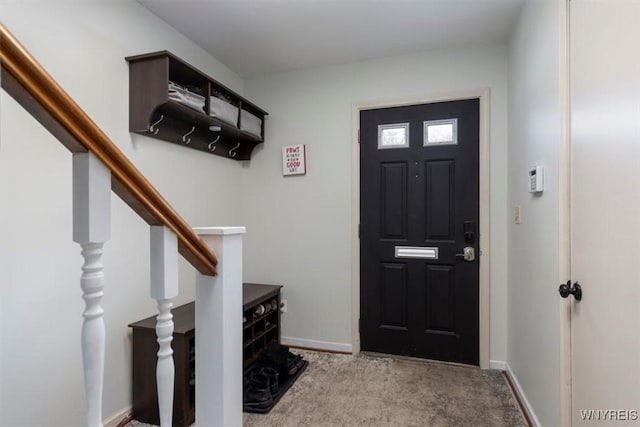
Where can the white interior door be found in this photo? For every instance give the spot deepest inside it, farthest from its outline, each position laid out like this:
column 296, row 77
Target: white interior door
column 605, row 126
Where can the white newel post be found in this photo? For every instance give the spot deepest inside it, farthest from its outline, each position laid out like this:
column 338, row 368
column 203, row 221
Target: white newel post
column 91, row 228
column 219, row 331
column 164, row 287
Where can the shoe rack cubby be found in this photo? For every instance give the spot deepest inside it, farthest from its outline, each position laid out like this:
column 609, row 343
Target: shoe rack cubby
column 257, row 332
column 259, row 327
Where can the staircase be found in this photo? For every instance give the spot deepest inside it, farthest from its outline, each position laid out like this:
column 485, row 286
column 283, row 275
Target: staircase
column 99, row 167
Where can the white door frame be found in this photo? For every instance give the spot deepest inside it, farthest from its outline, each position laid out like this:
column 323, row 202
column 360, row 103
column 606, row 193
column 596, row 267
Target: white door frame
column 564, row 207
column 484, row 238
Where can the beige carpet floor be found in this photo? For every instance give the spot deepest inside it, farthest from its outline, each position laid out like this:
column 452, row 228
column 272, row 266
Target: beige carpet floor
column 343, row 390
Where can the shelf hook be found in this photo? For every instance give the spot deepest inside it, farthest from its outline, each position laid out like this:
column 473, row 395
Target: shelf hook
column 232, row 152
column 212, row 144
column 184, row 137
column 152, row 129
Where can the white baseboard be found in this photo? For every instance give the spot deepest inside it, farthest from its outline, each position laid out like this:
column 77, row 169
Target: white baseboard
column 523, row 397
column 115, row 419
column 498, row 364
column 319, row 345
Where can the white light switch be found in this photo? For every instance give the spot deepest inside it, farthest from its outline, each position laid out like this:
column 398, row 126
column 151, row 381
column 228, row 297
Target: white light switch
column 517, row 214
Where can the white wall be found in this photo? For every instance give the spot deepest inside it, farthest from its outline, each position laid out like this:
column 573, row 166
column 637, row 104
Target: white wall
column 83, row 45
column 299, row 228
column 535, row 120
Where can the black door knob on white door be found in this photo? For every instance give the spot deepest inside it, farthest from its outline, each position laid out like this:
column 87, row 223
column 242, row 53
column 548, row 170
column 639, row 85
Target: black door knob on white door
column 566, row 289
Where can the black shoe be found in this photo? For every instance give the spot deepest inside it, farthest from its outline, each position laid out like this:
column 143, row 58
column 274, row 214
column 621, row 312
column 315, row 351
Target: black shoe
column 256, row 392
column 260, row 381
column 294, row 363
column 260, row 399
column 275, row 356
column 272, row 374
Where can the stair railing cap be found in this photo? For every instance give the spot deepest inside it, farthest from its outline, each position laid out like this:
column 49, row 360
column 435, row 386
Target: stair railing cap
column 219, row 231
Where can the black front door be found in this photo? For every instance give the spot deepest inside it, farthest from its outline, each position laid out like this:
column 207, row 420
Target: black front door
column 419, row 215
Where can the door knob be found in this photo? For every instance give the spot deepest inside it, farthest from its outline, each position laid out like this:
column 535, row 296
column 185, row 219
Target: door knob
column 469, row 254
column 575, row 290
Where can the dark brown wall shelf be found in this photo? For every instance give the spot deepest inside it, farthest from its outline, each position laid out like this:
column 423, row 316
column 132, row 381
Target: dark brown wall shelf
column 149, row 104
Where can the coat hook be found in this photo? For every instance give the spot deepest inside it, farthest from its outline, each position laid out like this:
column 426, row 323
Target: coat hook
column 152, row 129
column 212, row 144
column 232, row 152
column 184, row 137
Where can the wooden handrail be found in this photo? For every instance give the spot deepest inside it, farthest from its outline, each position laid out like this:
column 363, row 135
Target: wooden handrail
column 27, row 81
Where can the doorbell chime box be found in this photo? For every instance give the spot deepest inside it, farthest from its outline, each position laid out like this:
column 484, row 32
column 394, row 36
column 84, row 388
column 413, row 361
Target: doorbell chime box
column 536, row 179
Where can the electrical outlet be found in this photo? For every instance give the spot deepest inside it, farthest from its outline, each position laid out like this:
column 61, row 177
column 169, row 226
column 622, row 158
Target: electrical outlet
column 283, row 306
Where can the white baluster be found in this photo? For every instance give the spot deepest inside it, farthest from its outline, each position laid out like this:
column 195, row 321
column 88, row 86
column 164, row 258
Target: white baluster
column 164, row 287
column 91, row 228
column 219, row 331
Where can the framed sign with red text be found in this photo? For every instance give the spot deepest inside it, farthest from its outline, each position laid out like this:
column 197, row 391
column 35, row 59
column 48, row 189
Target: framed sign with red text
column 294, row 160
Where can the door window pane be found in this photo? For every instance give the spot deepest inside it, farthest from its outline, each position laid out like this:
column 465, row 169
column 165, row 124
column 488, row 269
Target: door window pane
column 393, row 136
column 440, row 132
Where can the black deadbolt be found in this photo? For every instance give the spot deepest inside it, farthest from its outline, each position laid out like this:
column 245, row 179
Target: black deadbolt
column 469, row 230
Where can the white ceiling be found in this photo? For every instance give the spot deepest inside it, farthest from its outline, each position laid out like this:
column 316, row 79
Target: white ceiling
column 255, row 37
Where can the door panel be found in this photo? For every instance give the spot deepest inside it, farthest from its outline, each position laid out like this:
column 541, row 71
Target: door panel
column 440, row 299
column 394, row 296
column 605, row 127
column 394, row 200
column 417, row 195
column 439, row 201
